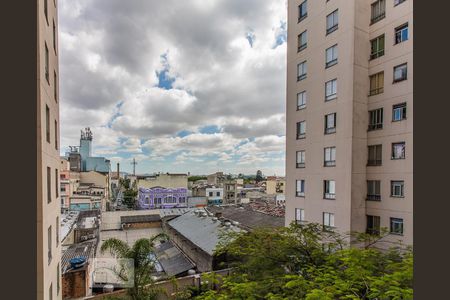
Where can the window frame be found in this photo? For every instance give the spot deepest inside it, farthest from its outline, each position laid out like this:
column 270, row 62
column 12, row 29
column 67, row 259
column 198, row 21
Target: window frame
column 304, row 69
column 401, row 184
column 299, row 212
column 378, row 89
column 334, row 56
column 332, row 152
column 373, row 190
column 301, row 135
column 378, row 152
column 394, row 152
column 402, row 107
column 49, row 244
column 303, row 16
column 49, row 185
column 398, row 2
column 301, row 46
column 404, row 73
column 301, row 192
column 327, row 194
column 302, row 96
column 330, row 217
column 47, row 64
column 381, row 14
column 376, row 119
column 379, row 52
column 396, row 222
column 302, row 162
column 375, row 229
column 332, row 83
column 398, row 33
column 330, row 130
column 334, row 16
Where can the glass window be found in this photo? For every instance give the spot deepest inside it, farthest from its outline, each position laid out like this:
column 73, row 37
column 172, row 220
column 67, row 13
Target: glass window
column 330, row 123
column 301, row 71
column 374, row 190
column 54, row 36
column 375, row 119
column 374, row 155
column 302, row 11
column 301, row 159
column 301, row 100
column 400, row 72
column 331, row 56
column 377, row 47
column 47, row 68
column 49, row 185
column 397, row 188
column 301, row 130
column 399, row 112
column 373, row 225
column 398, row 150
column 49, row 243
column 330, row 156
column 47, row 123
column 329, row 189
column 376, row 84
column 331, row 89
column 401, row 33
column 46, row 10
column 332, row 22
column 396, row 226
column 299, row 215
column 378, row 11
column 300, row 188
column 58, row 279
column 302, row 41
column 56, row 182
column 397, row 2
column 328, row 219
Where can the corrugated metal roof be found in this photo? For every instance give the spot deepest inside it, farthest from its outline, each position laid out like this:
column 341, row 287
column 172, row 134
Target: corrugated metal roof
column 202, row 231
column 172, row 260
column 84, row 249
column 140, row 218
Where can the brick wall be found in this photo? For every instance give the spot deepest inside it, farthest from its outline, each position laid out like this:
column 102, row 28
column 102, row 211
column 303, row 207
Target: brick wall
column 74, row 284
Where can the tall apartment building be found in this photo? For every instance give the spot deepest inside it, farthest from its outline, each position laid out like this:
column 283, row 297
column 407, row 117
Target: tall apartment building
column 349, row 139
column 48, row 203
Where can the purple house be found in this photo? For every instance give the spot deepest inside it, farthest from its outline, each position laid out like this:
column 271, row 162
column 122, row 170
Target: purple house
column 159, row 197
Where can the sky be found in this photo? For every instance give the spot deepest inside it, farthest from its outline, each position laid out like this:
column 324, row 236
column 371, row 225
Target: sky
column 181, row 86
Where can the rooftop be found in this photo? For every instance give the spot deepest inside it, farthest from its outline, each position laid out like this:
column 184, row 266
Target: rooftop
column 201, row 231
column 67, row 221
column 84, row 249
column 172, row 260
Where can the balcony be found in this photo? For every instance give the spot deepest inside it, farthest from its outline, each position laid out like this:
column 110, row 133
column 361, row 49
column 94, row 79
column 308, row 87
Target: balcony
column 301, row 136
column 301, row 47
column 376, row 54
column 377, row 18
column 300, row 165
column 329, row 163
column 376, row 91
column 332, row 29
column 331, row 63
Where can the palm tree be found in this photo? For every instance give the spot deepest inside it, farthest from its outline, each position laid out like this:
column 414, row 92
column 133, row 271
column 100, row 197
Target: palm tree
column 143, row 263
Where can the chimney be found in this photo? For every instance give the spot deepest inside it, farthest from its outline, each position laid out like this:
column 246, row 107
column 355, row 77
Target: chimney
column 118, row 171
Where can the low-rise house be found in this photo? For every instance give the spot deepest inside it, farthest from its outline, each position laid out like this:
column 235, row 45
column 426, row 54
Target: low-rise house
column 160, row 197
column 214, row 195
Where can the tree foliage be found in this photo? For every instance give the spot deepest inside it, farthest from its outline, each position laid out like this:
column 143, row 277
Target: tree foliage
column 305, row 261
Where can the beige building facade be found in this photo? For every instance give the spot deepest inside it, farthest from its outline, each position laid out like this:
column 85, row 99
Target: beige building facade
column 349, row 154
column 164, row 180
column 48, row 198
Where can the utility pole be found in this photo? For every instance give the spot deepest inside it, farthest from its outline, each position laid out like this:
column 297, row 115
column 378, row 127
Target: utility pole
column 134, row 163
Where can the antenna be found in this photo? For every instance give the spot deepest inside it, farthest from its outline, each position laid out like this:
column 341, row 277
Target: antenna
column 134, row 163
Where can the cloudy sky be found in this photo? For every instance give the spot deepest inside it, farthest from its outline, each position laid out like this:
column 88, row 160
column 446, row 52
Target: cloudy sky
column 182, row 86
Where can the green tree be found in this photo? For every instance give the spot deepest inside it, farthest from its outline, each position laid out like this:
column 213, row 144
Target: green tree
column 129, row 198
column 259, row 176
column 308, row 261
column 142, row 263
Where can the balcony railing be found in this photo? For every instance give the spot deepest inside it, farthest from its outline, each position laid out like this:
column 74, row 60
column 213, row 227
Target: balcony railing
column 377, row 18
column 301, row 18
column 300, row 194
column 301, row 165
column 330, row 130
column 376, row 91
column 373, row 231
column 301, row 77
column 332, row 29
column 374, row 162
column 301, row 136
column 331, row 63
column 329, row 163
column 377, row 54
column 329, row 196
column 301, row 47
column 373, row 197
column 375, row 126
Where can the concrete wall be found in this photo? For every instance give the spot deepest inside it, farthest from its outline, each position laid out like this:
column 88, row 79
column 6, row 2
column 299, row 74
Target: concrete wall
column 47, row 155
column 75, row 284
column 164, row 180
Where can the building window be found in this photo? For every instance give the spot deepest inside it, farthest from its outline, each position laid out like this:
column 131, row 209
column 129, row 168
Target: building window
column 218, row 194
column 397, row 2
column 55, row 86
column 377, row 47
column 397, row 188
column 378, row 11
column 210, row 194
column 301, row 130
column 330, row 157
column 300, row 188
column 376, row 84
column 401, row 33
column 373, row 225
column 400, row 72
column 332, row 22
column 56, row 183
column 56, row 135
column 396, row 226
column 58, row 279
column 301, row 71
column 49, row 185
column 54, row 36
column 46, row 10
column 398, row 150
column 328, row 219
column 302, row 41
column 399, row 112
column 331, row 56
column 331, row 89
column 301, row 100
column 299, row 215
column 57, row 231
column 375, row 119
column 374, row 158
column 47, row 123
column 47, row 68
column 49, row 244
column 373, row 190
column 302, row 11
column 301, row 159
column 330, row 123
column 329, row 189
